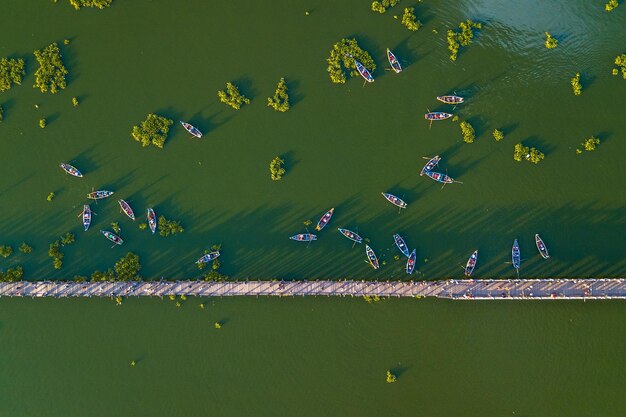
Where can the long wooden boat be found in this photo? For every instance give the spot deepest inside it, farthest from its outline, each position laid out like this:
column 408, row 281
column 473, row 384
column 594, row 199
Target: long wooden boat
column 437, row 115
column 432, row 163
column 401, row 244
column 396, row 201
column 152, row 220
column 410, row 263
column 367, row 76
column 304, row 237
column 112, row 237
column 543, row 250
column 393, row 61
column 192, row 129
column 351, row 235
column 439, row 177
column 205, row 259
column 86, row 214
column 71, row 170
column 126, row 209
column 325, row 219
column 371, row 257
column 471, row 263
column 515, row 255
column 451, row 99
column 97, row 195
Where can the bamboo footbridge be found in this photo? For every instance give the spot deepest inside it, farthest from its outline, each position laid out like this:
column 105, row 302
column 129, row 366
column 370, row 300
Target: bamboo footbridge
column 537, row 289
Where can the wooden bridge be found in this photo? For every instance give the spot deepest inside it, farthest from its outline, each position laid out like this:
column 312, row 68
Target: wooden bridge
column 539, row 289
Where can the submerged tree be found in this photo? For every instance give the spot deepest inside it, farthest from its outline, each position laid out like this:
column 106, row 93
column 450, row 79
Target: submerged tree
column 462, row 38
column 128, row 267
column 589, row 144
column 576, row 85
column 383, row 5
column 551, row 43
column 612, row 4
column 341, row 60
column 530, row 154
column 169, row 227
column 620, row 61
column 152, row 131
column 74, row 102
column 232, row 96
column 498, row 135
column 6, row 251
column 280, row 100
column 55, row 253
column 42, row 123
column 468, row 132
column 99, row 4
column 277, row 169
column 25, row 248
column 11, row 72
column 12, row 275
column 409, row 20
column 391, row 377
column 51, row 72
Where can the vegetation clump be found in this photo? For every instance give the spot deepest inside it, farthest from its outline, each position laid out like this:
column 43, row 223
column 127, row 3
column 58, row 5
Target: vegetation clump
column 127, row 268
column 55, row 253
column 50, row 196
column 589, row 144
column 116, row 227
column 99, row 4
column 612, row 4
column 74, row 102
column 498, row 135
column 51, row 72
column 576, row 85
column 468, row 132
column 277, row 169
column 530, row 154
column 342, row 58
column 169, row 227
column 68, row 239
column 25, row 248
column 12, row 275
column 382, row 6
column 6, row 251
column 152, row 131
column 462, row 38
column 280, row 100
column 11, row 72
column 620, row 61
column 409, row 20
column 391, row 378
column 42, row 123
column 232, row 96
column 551, row 43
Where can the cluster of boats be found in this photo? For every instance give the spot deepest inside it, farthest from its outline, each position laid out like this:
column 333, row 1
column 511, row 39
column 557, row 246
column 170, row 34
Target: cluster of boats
column 516, row 258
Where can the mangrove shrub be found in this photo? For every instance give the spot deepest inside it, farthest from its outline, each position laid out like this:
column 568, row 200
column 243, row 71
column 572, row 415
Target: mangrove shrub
column 589, row 144
column 99, row 4
column 12, row 275
column 611, row 5
column 530, row 154
column 620, row 61
column 391, row 378
column 498, row 135
column 169, row 227
column 55, row 253
column 127, row 268
column 11, row 72
column 551, row 43
column 51, row 72
column 152, row 131
column 341, row 60
column 232, row 96
column 383, row 5
column 576, row 85
column 74, row 102
column 468, row 132
column 409, row 20
column 280, row 100
column 26, row 248
column 42, row 123
column 6, row 251
column 462, row 38
column 276, row 168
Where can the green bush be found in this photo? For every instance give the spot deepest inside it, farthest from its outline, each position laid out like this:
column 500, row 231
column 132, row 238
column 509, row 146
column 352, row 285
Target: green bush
column 463, row 38
column 551, row 43
column 152, row 131
column 391, row 378
column 128, row 267
column 498, row 135
column 12, row 275
column 99, row 4
column 51, row 72
column 11, row 72
column 42, row 123
column 589, row 144
column 530, row 154
column 468, row 132
column 277, row 169
column 169, row 227
column 68, row 239
column 26, row 248
column 620, row 61
column 341, row 60
column 383, row 5
column 6, row 251
column 576, row 85
column 409, row 20
column 232, row 96
column 280, row 100
column 74, row 102
column 612, row 4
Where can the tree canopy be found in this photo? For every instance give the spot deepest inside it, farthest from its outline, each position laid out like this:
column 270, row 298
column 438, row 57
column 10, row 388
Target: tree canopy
column 341, row 60
column 152, row 131
column 280, row 100
column 99, row 4
column 11, row 72
column 50, row 76
column 232, row 96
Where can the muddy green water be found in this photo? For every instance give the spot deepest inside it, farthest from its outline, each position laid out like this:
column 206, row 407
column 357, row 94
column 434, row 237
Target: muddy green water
column 343, row 144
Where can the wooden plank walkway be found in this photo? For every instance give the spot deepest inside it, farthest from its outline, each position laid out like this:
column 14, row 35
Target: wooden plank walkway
column 539, row 289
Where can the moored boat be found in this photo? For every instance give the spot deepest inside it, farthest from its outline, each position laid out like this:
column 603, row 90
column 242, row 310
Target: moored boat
column 112, row 237
column 410, row 263
column 543, row 250
column 451, row 99
column 515, row 256
column 437, row 115
column 86, row 214
column 204, row 259
column 152, row 221
column 191, row 129
column 325, row 219
column 396, row 201
column 401, row 244
column 351, row 235
column 367, row 76
column 126, row 209
column 393, row 61
column 439, row 177
column 304, row 237
column 471, row 263
column 432, row 163
column 97, row 195
column 371, row 257
column 71, row 170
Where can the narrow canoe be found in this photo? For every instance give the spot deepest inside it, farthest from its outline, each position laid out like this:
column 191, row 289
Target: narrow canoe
column 410, row 263
column 86, row 216
column 471, row 263
column 396, row 201
column 439, row 177
column 432, row 163
column 97, row 195
column 543, row 250
column 71, row 170
column 371, row 257
column 437, row 115
column 126, row 209
column 325, row 219
column 351, row 235
column 401, row 244
column 208, row 257
column 152, row 221
column 393, row 61
column 112, row 237
column 515, row 255
column 304, row 237
column 451, row 99
column 192, row 129
column 367, row 76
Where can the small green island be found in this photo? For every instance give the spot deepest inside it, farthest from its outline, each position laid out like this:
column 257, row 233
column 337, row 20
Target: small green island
column 462, row 37
column 280, row 100
column 153, row 131
column 50, row 76
column 232, row 97
column 341, row 60
column 11, row 72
